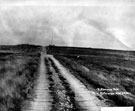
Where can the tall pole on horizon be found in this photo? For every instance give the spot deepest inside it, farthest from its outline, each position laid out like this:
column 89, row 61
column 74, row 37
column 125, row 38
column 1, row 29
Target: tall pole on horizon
column 52, row 41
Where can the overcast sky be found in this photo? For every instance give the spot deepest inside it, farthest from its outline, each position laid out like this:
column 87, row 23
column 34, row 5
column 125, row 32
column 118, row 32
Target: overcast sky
column 86, row 23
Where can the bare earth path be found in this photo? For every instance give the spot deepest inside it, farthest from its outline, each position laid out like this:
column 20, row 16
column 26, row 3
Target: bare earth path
column 42, row 100
column 87, row 100
column 58, row 90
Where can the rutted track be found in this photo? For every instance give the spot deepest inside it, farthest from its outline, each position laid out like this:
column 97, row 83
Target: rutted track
column 42, row 101
column 86, row 100
column 58, row 90
column 63, row 96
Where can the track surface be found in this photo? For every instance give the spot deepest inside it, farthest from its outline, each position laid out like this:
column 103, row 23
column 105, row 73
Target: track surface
column 58, row 90
column 42, row 98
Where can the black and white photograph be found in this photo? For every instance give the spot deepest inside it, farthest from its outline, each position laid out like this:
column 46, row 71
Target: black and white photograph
column 67, row 55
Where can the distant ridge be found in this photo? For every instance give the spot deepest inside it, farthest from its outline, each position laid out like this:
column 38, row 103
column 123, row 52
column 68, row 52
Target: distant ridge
column 64, row 50
column 21, row 47
column 90, row 48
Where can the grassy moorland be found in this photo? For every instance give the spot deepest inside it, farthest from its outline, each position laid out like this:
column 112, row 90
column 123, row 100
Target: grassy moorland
column 18, row 71
column 99, row 68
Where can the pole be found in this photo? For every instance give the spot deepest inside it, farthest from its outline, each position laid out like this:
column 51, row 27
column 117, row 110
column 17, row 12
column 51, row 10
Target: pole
column 52, row 41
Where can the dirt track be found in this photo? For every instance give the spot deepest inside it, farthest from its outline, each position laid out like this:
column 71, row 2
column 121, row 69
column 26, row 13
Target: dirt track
column 58, row 90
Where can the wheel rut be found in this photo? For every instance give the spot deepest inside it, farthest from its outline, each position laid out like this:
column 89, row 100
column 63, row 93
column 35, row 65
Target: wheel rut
column 58, row 90
column 42, row 99
column 86, row 100
column 62, row 99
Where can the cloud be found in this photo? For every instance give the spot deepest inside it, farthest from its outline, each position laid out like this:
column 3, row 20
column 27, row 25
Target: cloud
column 118, row 25
column 67, row 2
column 89, row 26
column 26, row 26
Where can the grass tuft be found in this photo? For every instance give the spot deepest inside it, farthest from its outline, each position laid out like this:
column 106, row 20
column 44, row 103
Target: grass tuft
column 16, row 75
